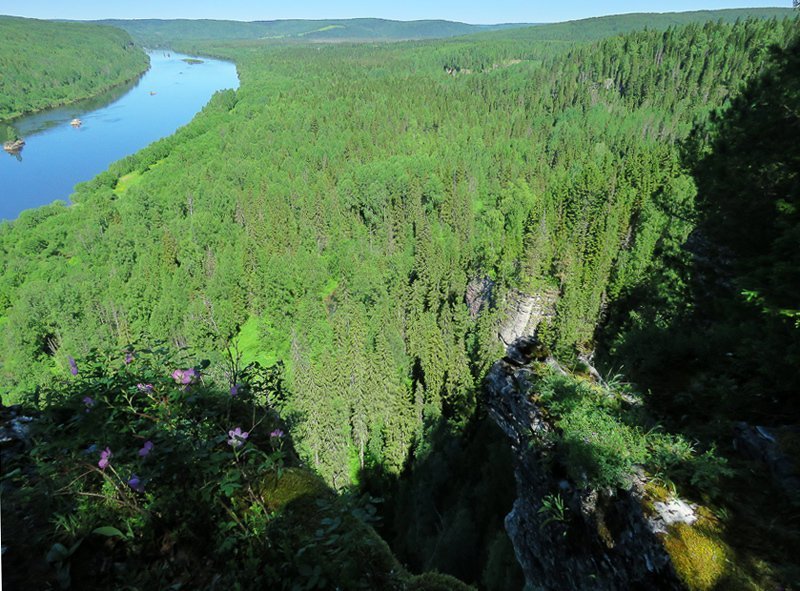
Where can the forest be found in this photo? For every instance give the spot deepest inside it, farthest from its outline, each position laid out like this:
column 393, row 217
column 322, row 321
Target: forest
column 75, row 62
column 344, row 237
column 165, row 33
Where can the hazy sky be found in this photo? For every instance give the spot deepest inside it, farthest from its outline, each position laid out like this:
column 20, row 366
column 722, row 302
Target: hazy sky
column 471, row 11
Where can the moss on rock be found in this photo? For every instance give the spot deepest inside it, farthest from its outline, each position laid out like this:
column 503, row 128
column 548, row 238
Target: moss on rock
column 292, row 484
column 699, row 555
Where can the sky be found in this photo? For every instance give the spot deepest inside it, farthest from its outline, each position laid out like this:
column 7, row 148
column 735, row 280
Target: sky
column 469, row 11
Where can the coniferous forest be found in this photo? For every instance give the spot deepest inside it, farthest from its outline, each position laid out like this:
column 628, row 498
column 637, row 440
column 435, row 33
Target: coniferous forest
column 335, row 258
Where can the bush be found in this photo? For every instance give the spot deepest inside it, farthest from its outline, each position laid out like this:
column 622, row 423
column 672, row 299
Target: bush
column 143, row 474
column 598, row 449
column 139, row 450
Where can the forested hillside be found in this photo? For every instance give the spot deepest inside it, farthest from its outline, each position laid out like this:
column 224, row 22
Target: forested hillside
column 713, row 329
column 331, row 213
column 365, row 219
column 77, row 61
column 160, row 33
column 165, row 33
column 606, row 26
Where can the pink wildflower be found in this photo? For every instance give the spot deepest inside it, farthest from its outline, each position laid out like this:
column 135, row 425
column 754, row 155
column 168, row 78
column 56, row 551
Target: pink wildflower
column 105, row 458
column 184, row 376
column 237, row 437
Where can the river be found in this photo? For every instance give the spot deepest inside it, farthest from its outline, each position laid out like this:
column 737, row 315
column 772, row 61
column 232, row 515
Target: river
column 57, row 155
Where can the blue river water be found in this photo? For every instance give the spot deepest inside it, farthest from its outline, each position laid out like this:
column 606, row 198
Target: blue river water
column 57, row 156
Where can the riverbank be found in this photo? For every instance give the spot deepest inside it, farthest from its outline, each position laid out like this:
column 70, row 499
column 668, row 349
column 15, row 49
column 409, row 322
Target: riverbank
column 58, row 155
column 50, row 64
column 99, row 91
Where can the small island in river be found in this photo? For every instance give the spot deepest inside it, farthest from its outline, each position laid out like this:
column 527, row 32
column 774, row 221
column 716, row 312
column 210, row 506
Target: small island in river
column 192, row 60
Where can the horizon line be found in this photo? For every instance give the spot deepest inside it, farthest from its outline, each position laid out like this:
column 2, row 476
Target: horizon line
column 412, row 20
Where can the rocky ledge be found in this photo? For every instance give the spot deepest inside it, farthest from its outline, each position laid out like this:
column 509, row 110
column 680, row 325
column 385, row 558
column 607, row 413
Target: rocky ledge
column 566, row 537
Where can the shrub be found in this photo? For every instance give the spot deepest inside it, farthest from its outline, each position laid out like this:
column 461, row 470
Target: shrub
column 601, row 439
column 144, row 474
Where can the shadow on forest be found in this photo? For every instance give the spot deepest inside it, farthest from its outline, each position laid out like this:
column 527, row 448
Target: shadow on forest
column 445, row 512
column 711, row 336
column 705, row 353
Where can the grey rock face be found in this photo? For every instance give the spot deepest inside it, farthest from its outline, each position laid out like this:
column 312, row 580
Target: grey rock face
column 564, row 537
column 479, row 295
column 524, row 314
column 671, row 512
column 762, row 445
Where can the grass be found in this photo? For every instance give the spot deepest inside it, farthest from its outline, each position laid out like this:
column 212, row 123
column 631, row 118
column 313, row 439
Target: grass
column 597, row 445
column 132, row 179
column 321, row 30
column 127, row 181
column 329, row 288
column 250, row 344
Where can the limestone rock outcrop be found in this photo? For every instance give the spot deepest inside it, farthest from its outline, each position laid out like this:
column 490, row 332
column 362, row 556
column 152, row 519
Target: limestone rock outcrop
column 566, row 537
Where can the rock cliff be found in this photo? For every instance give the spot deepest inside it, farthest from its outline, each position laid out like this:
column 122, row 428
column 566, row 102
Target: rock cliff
column 524, row 313
column 566, row 537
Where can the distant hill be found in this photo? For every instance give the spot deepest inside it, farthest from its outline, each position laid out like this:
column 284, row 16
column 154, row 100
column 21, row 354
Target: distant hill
column 45, row 64
column 159, row 33
column 155, row 32
column 606, row 26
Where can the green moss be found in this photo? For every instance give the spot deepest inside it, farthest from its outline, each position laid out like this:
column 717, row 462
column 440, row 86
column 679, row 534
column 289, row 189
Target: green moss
column 293, row 484
column 654, row 493
column 698, row 554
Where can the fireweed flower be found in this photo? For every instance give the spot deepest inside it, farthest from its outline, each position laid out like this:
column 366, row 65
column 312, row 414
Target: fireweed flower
column 135, row 483
column 235, row 389
column 73, row 367
column 105, row 458
column 277, row 434
column 128, row 357
column 145, row 387
column 146, row 448
column 184, row 376
column 237, row 437
column 89, row 402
